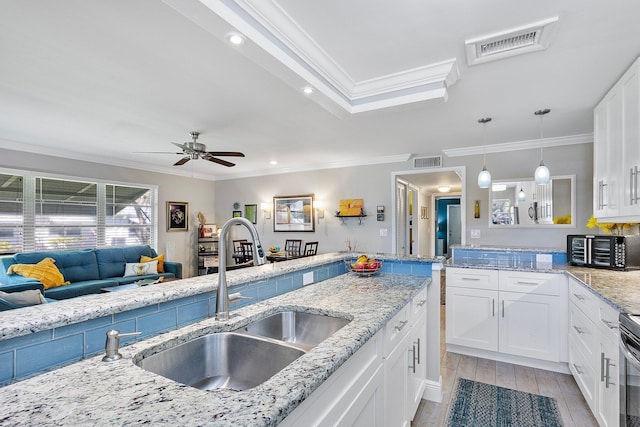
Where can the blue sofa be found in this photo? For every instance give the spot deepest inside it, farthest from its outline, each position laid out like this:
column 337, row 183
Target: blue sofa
column 88, row 270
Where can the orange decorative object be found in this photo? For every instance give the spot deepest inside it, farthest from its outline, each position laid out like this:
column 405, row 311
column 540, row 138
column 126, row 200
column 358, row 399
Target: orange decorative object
column 351, row 207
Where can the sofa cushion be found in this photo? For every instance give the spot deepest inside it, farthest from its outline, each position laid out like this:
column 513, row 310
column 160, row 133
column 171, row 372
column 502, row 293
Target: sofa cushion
column 78, row 289
column 45, row 271
column 112, row 261
column 75, row 266
column 159, row 258
column 24, row 298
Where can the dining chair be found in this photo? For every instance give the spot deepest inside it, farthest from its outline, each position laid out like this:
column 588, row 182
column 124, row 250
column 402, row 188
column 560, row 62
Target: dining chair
column 293, row 247
column 310, row 248
column 238, row 254
column 247, row 251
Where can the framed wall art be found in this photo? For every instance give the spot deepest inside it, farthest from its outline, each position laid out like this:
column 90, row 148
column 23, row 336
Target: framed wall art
column 293, row 213
column 177, row 216
column 251, row 213
column 237, row 214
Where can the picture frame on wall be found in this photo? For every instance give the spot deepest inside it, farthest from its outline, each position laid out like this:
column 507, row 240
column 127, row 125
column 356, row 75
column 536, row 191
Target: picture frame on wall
column 251, row 213
column 177, row 216
column 209, row 230
column 294, row 213
column 237, row 214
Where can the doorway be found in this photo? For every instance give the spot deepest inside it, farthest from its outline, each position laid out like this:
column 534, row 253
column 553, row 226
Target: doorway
column 448, row 224
column 414, row 200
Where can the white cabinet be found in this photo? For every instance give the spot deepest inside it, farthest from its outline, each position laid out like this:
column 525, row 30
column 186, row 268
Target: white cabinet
column 593, row 352
column 509, row 312
column 617, row 150
column 417, row 348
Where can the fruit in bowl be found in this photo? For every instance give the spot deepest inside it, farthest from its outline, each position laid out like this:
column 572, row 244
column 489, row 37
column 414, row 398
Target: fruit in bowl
column 365, row 264
column 274, row 249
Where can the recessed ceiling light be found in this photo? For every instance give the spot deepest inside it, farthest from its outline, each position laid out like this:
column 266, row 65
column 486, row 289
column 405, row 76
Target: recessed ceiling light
column 444, row 189
column 273, row 162
column 235, row 39
column 308, row 90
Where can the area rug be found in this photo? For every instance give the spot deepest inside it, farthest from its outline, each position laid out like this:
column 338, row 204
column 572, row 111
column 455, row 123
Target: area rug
column 480, row 404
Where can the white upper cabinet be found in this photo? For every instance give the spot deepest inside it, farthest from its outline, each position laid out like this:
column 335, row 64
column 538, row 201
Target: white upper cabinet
column 617, row 151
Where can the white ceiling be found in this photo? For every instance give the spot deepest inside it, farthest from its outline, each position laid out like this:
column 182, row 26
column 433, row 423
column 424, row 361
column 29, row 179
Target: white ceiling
column 101, row 80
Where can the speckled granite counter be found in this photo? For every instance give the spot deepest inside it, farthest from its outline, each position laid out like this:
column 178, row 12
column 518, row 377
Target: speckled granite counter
column 91, row 392
column 620, row 288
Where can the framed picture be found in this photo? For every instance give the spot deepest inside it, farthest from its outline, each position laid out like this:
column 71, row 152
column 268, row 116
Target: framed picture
column 424, row 212
column 293, row 213
column 380, row 209
column 380, row 217
column 209, row 230
column 237, row 214
column 251, row 213
column 177, row 216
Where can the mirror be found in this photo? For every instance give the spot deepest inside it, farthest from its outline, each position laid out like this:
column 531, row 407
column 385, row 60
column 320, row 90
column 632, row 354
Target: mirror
column 523, row 203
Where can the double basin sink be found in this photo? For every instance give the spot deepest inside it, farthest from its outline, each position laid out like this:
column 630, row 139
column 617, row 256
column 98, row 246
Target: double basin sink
column 244, row 358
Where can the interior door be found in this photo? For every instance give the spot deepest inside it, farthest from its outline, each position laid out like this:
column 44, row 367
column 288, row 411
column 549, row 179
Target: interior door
column 454, row 226
column 401, row 218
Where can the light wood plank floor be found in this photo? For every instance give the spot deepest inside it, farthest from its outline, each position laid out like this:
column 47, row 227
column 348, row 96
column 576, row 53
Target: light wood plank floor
column 573, row 408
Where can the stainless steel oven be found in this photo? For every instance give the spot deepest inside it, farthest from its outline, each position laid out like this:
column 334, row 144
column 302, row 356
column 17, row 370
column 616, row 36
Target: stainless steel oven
column 630, row 370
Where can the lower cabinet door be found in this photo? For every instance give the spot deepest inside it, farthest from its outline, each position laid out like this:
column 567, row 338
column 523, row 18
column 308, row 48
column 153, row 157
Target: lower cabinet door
column 367, row 408
column 608, row 386
column 395, row 386
column 530, row 325
column 417, row 353
column 583, row 373
column 472, row 318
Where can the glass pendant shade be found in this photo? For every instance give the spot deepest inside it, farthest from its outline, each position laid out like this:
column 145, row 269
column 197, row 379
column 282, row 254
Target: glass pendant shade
column 542, row 175
column 484, row 178
column 521, row 195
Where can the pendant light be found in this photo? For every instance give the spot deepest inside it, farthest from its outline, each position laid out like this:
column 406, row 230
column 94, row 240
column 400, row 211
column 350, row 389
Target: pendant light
column 484, row 177
column 522, row 196
column 541, row 174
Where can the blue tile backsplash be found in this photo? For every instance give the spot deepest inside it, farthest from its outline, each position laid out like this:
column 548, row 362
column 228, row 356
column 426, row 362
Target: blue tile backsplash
column 516, row 258
column 27, row 355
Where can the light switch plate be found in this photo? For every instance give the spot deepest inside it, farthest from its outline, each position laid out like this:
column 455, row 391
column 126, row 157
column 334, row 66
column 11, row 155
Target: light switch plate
column 383, row 232
column 544, row 261
column 307, row 278
column 475, row 233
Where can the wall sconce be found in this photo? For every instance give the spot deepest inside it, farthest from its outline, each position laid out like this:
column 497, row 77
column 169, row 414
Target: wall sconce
column 317, row 205
column 266, row 209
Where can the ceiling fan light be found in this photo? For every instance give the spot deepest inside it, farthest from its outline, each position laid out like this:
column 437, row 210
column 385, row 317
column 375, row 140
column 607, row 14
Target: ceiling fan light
column 484, row 178
column 542, row 174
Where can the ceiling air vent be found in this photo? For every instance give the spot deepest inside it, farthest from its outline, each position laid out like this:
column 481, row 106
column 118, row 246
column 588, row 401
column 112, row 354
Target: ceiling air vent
column 516, row 41
column 427, row 162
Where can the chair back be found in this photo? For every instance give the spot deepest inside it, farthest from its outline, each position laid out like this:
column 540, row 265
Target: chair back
column 310, row 248
column 247, row 251
column 238, row 253
column 293, row 247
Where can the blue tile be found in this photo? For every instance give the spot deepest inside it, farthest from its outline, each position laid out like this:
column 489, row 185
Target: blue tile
column 402, row 268
column 267, row 291
column 132, row 314
column 6, row 367
column 44, row 355
column 193, row 312
column 205, row 296
column 26, row 340
column 176, row 303
column 421, row 268
column 157, row 322
column 296, row 281
column 95, row 339
column 284, row 285
column 82, row 326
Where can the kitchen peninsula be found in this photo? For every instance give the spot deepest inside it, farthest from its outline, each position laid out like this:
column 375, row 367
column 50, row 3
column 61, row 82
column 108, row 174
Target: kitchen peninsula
column 117, row 393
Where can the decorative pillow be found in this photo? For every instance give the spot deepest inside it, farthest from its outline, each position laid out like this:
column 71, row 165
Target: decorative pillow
column 29, row 297
column 141, row 268
column 45, row 271
column 159, row 258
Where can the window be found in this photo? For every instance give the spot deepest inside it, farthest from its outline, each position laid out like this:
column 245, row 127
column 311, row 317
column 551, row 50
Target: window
column 43, row 213
column 11, row 219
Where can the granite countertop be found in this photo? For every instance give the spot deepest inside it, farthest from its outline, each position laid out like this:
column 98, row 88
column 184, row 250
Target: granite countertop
column 620, row 288
column 91, row 392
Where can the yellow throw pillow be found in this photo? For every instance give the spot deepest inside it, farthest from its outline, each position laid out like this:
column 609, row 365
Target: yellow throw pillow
column 45, row 271
column 159, row 258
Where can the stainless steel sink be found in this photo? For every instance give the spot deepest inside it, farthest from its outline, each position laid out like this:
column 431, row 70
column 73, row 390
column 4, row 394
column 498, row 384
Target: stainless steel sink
column 223, row 360
column 301, row 329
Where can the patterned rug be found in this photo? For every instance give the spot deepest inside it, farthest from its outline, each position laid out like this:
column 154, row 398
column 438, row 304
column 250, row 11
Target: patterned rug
column 480, row 404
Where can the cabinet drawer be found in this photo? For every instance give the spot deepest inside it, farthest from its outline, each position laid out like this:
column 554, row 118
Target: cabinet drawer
column 583, row 298
column 396, row 329
column 418, row 306
column 531, row 283
column 608, row 321
column 472, row 278
column 583, row 331
column 583, row 373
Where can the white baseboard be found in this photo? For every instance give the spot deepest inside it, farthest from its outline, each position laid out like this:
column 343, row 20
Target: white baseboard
column 433, row 390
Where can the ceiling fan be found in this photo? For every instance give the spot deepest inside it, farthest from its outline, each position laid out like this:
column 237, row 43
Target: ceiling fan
column 194, row 150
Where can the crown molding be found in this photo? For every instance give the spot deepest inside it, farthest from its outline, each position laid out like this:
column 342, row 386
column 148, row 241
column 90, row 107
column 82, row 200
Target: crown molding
column 272, row 29
column 586, row 138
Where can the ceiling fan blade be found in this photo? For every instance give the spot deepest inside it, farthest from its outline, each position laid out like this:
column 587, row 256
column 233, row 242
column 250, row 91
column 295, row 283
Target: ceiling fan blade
column 225, row 153
column 182, row 161
column 154, row 152
column 180, row 146
column 219, row 161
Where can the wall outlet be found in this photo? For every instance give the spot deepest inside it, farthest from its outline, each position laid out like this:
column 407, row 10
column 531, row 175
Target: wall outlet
column 384, row 232
column 475, row 233
column 307, row 278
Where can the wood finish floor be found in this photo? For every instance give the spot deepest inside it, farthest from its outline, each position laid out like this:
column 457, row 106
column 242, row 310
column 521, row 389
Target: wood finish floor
column 573, row 408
